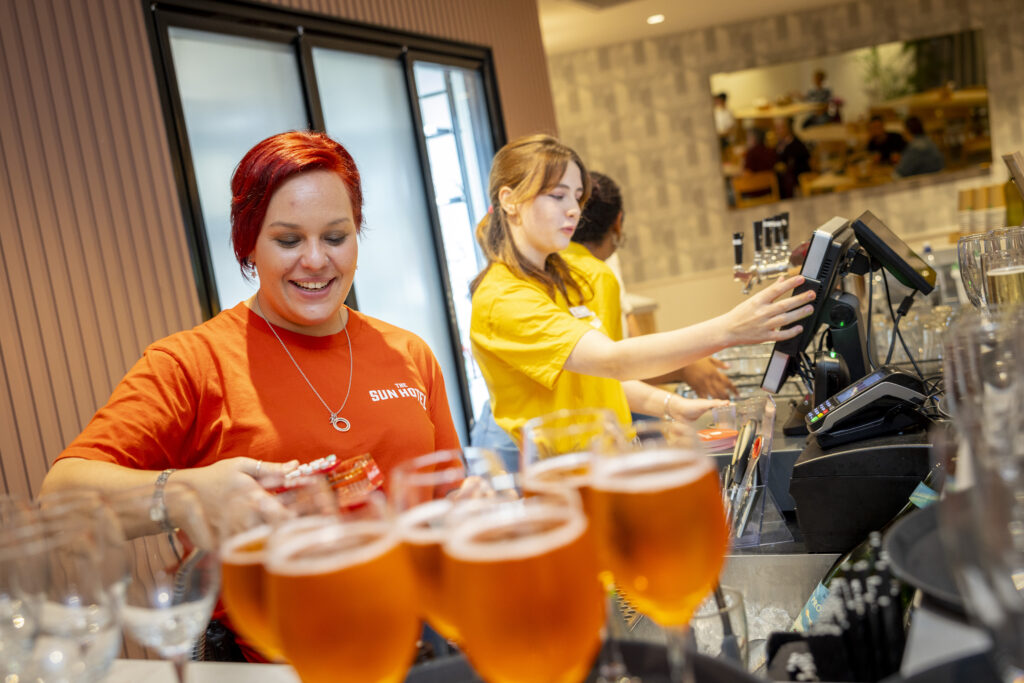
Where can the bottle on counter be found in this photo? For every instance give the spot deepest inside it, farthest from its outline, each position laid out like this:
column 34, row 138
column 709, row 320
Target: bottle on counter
column 1014, row 197
column 864, row 557
column 996, row 208
column 964, row 212
column 938, row 293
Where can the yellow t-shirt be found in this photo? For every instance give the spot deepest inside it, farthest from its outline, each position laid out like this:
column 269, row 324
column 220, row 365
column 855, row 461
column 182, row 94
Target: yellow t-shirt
column 607, row 300
column 521, row 340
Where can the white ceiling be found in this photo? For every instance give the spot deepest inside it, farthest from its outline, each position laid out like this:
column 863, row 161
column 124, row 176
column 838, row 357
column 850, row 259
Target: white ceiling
column 568, row 25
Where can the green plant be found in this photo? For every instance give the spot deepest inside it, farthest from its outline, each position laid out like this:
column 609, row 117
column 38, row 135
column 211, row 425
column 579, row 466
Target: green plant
column 886, row 77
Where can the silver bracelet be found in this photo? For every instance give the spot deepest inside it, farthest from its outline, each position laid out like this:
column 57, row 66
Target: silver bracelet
column 158, row 506
column 667, row 416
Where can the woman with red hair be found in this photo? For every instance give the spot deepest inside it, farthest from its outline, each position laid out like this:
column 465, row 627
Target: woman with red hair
column 290, row 375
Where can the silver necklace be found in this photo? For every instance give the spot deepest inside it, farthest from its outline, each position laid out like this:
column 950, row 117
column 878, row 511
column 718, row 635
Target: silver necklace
column 337, row 421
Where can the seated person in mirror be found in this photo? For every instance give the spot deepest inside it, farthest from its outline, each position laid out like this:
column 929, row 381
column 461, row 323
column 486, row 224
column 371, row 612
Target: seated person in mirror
column 758, row 156
column 884, row 146
column 793, row 157
column 921, row 154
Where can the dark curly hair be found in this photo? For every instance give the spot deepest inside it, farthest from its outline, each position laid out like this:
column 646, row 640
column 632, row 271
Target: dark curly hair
column 601, row 210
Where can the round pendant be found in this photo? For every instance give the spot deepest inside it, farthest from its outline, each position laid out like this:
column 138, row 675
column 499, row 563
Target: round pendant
column 340, row 423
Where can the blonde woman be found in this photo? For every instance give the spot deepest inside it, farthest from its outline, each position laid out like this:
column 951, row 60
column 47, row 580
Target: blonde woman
column 540, row 346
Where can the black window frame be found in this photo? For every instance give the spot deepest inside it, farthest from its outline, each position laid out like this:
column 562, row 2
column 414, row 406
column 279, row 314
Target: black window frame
column 304, row 31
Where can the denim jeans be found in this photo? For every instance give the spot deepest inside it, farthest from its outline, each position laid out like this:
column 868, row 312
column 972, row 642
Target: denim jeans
column 487, row 434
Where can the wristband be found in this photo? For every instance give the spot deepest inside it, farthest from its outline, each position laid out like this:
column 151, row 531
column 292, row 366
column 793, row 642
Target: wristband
column 157, row 506
column 667, row 415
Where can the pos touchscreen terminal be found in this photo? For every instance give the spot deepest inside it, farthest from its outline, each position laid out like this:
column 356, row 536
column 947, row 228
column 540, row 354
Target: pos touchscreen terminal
column 821, row 270
column 830, row 255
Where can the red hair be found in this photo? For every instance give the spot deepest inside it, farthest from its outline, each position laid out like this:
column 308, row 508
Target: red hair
column 272, row 162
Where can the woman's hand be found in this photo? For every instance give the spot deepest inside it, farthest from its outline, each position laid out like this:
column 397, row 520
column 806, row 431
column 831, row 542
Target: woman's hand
column 706, row 378
column 230, row 488
column 690, row 409
column 759, row 318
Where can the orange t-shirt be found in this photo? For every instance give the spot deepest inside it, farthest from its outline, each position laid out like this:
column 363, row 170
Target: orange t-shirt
column 226, row 388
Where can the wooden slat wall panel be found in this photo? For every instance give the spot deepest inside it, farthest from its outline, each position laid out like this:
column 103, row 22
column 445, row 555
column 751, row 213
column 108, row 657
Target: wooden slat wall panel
column 94, row 263
column 94, row 257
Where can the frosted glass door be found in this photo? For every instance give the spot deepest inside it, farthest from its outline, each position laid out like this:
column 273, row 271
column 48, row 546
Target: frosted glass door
column 365, row 104
column 234, row 92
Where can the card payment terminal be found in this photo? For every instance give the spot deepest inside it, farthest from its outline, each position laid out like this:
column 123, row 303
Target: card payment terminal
column 883, row 402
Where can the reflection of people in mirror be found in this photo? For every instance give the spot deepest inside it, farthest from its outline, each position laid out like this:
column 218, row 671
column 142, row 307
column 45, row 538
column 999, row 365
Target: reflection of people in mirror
column 822, row 94
column 725, row 122
column 884, row 146
column 793, row 157
column 921, row 155
column 758, row 156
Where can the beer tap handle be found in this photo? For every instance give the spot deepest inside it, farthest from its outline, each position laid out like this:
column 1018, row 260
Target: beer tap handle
column 777, row 229
column 758, row 240
column 767, row 237
column 784, row 220
column 737, row 249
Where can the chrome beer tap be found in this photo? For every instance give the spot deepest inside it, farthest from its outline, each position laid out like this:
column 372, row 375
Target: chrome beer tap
column 771, row 252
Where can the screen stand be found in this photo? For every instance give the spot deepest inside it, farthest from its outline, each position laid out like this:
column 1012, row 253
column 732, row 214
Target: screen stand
column 847, row 331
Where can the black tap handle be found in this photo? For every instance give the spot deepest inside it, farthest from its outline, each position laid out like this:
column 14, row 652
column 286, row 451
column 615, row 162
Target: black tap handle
column 757, row 237
column 737, row 248
column 784, row 219
column 768, row 235
column 777, row 229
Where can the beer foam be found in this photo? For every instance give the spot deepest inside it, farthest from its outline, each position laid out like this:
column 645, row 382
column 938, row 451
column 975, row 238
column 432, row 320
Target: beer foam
column 463, row 542
column 548, row 474
column 234, row 552
column 330, row 549
column 1005, row 270
column 648, row 471
column 423, row 524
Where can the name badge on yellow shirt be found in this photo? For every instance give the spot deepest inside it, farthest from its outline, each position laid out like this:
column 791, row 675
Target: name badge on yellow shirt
column 580, row 311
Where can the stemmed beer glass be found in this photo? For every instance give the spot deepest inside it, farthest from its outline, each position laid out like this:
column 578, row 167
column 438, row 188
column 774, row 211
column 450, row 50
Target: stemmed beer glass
column 423, row 492
column 341, row 596
column 522, row 578
column 661, row 529
column 556, row 452
column 243, row 553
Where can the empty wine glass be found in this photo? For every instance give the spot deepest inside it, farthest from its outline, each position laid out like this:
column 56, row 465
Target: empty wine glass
column 176, row 574
column 969, row 250
column 69, row 596
column 22, row 586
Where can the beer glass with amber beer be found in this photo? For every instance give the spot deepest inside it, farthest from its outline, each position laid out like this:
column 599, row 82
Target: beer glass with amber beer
column 243, row 552
column 557, row 447
column 341, row 596
column 660, row 525
column 422, row 492
column 525, row 595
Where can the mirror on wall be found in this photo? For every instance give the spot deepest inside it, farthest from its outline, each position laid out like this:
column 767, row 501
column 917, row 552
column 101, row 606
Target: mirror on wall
column 857, row 119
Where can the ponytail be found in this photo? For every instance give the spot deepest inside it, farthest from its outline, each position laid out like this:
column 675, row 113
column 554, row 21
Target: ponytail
column 529, row 166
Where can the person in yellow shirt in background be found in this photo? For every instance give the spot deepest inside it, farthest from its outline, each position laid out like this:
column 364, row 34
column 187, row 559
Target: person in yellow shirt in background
column 538, row 341
column 598, row 236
